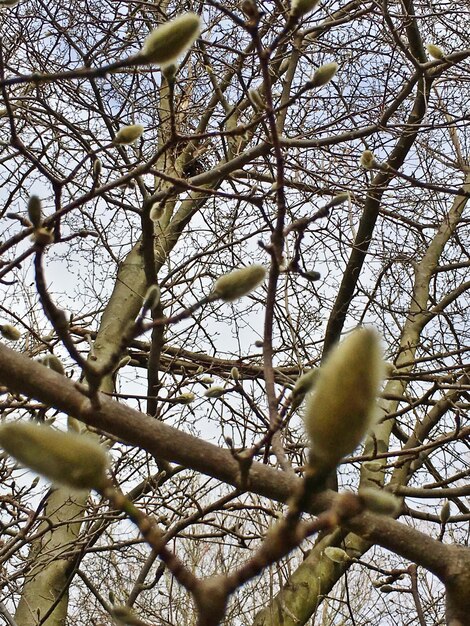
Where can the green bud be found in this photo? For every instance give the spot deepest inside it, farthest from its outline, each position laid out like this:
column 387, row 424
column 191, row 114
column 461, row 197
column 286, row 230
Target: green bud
column 341, row 409
column 185, row 398
column 43, row 236
column 259, row 343
column 75, row 461
column 164, row 44
column 128, row 134
column 323, row 75
column 444, row 515
column 302, row 386
column 169, row 71
column 386, row 589
column 238, row 283
column 367, row 160
column 53, row 363
column 379, row 501
column 435, row 51
column 207, row 380
column 214, row 392
column 235, row 374
column 299, row 8
column 10, row 332
column 337, row 200
column 337, row 555
column 97, row 167
column 35, row 211
column 152, row 297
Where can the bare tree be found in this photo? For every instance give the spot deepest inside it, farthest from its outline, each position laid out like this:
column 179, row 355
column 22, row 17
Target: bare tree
column 327, row 143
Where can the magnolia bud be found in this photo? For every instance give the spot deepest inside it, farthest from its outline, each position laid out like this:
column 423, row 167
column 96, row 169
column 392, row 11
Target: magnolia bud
column 43, row 236
column 302, row 386
column 35, row 211
column 238, row 283
column 185, row 398
column 299, row 8
column 235, row 374
column 435, row 51
column 444, row 515
column 338, row 555
column 164, row 44
column 128, row 134
column 53, row 363
column 323, row 75
column 214, row 392
column 207, row 380
column 97, row 167
column 340, row 411
column 75, row 461
column 259, row 343
column 9, row 3
column 367, row 160
column 10, row 332
column 337, row 200
column 379, row 501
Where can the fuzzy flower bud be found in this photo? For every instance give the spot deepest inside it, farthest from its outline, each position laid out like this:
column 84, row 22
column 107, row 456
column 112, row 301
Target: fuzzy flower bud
column 323, row 75
column 35, row 211
column 367, row 160
column 299, row 8
column 235, row 374
column 337, row 555
column 434, row 51
column 10, row 332
column 75, row 461
column 164, row 44
column 238, row 283
column 379, row 501
column 185, row 398
column 53, row 363
column 444, row 514
column 214, row 392
column 302, row 386
column 341, row 409
column 128, row 134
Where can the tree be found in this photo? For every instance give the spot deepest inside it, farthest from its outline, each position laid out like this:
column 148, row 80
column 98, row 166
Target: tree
column 327, row 143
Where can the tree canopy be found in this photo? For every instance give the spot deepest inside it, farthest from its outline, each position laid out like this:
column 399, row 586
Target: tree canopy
column 200, row 201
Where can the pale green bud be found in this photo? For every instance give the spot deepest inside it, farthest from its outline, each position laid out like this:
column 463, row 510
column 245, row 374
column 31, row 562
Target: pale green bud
column 75, row 461
column 323, row 75
column 337, row 555
column 341, row 409
column 379, row 501
column 97, row 167
column 35, row 211
column 207, row 380
column 337, row 200
column 238, row 283
column 235, row 374
column 299, row 8
column 53, row 363
column 214, row 392
column 302, row 386
column 367, row 160
column 128, row 134
column 43, row 236
column 10, row 332
column 185, row 398
column 444, row 515
column 386, row 589
column 435, row 51
column 164, row 44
